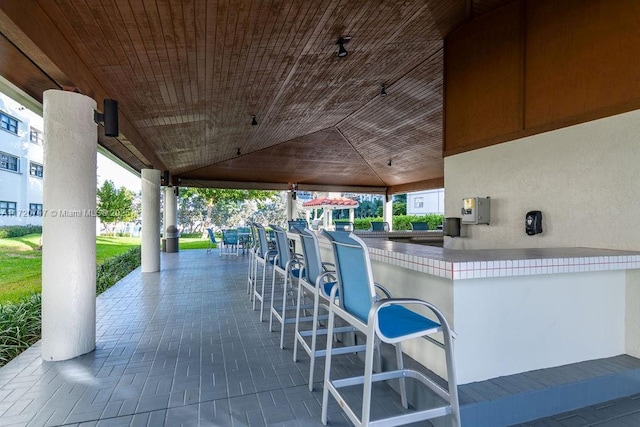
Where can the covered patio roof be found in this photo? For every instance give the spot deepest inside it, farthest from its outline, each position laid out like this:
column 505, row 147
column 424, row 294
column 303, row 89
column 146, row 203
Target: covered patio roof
column 190, row 77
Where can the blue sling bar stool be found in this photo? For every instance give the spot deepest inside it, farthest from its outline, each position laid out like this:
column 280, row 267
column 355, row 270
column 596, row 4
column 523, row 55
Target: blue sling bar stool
column 264, row 256
column 289, row 267
column 317, row 280
column 389, row 321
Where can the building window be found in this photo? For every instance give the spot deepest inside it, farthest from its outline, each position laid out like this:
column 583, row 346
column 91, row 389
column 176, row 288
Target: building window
column 7, row 208
column 36, row 136
column 35, row 169
column 418, row 202
column 8, row 162
column 35, row 209
column 8, row 123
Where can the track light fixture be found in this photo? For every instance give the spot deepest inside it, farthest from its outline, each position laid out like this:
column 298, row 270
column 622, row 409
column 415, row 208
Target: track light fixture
column 254, row 122
column 342, row 40
column 238, row 152
column 383, row 91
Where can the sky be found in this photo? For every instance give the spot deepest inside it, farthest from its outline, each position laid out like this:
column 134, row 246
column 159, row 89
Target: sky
column 121, row 177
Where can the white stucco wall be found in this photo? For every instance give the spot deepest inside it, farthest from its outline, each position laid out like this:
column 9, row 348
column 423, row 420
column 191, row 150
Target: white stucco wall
column 585, row 179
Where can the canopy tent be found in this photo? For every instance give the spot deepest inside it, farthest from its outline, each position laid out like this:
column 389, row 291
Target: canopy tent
column 328, row 205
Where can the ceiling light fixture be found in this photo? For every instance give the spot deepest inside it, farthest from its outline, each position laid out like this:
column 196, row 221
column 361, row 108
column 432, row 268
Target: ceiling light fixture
column 342, row 40
column 383, row 92
column 389, row 164
column 254, row 122
column 238, row 152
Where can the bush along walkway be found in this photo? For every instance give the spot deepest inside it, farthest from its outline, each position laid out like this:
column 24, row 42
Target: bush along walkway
column 20, row 323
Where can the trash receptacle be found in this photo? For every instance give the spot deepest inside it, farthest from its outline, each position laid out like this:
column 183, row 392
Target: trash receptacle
column 172, row 239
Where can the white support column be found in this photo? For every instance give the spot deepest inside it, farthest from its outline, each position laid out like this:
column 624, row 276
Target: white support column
column 170, row 208
column 352, row 217
column 164, row 217
column 171, row 223
column 150, row 220
column 387, row 212
column 292, row 211
column 69, row 226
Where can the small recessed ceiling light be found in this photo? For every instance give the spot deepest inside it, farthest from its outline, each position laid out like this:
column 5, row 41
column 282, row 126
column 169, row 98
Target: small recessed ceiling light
column 342, row 52
column 254, row 122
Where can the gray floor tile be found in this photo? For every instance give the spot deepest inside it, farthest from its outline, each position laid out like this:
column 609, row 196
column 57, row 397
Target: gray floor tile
column 184, row 347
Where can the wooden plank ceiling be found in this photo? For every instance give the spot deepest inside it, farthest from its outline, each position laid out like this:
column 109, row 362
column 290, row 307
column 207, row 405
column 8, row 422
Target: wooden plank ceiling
column 190, row 75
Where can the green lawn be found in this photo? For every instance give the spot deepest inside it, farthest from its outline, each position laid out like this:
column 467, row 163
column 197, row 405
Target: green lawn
column 193, row 243
column 21, row 261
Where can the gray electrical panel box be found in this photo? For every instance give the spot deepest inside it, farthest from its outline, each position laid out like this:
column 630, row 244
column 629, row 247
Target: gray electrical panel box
column 475, row 210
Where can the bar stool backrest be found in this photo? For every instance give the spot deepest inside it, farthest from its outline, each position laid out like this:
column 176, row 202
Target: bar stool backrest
column 354, row 274
column 311, row 254
column 282, row 246
column 263, row 245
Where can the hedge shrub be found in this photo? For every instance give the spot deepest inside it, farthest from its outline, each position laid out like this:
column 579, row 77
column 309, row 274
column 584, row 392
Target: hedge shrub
column 20, row 323
column 20, row 326
column 9, row 231
column 115, row 268
column 401, row 222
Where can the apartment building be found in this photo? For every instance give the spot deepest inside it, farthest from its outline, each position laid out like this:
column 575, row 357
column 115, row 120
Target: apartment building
column 426, row 202
column 21, row 164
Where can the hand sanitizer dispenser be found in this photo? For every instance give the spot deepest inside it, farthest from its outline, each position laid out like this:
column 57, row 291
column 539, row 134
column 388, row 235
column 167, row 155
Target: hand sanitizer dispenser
column 475, row 210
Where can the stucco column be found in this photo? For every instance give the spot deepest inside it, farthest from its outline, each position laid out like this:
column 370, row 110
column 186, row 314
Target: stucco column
column 69, row 226
column 171, row 222
column 150, row 220
column 164, row 218
column 387, row 212
column 170, row 208
column 352, row 217
column 292, row 211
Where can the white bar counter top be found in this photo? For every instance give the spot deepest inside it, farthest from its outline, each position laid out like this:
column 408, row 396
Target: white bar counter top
column 480, row 263
column 514, row 310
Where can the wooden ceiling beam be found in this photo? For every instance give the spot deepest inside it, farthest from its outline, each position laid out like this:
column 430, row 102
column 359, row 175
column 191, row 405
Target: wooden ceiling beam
column 34, row 33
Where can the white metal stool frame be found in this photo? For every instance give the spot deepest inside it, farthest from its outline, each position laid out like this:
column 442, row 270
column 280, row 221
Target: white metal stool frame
column 264, row 256
column 289, row 266
column 349, row 251
column 315, row 280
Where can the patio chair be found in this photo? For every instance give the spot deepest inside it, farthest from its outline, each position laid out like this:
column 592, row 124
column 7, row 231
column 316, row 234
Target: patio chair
column 264, row 256
column 289, row 267
column 379, row 226
column 230, row 244
column 212, row 240
column 419, row 225
column 387, row 320
column 244, row 238
column 298, row 223
column 317, row 280
column 343, row 226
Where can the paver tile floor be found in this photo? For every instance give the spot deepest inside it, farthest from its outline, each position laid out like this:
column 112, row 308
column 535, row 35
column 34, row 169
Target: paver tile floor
column 179, row 347
column 184, row 347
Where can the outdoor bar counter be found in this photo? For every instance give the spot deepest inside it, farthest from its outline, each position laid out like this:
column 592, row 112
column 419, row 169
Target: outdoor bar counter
column 514, row 310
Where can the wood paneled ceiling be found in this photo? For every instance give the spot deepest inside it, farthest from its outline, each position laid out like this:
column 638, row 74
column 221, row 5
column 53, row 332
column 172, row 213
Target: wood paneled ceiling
column 189, row 75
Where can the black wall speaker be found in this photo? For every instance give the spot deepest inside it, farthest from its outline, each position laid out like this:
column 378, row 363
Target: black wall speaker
column 111, row 117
